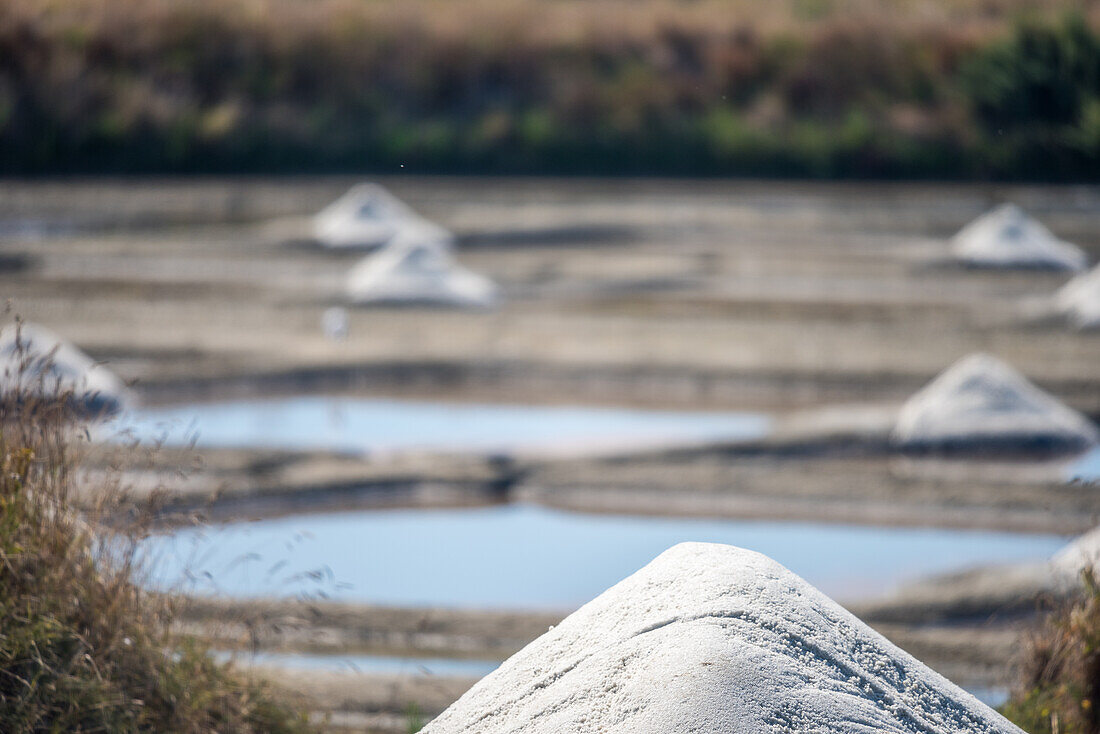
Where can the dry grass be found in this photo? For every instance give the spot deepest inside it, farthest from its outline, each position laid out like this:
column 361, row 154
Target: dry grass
column 552, row 21
column 83, row 646
column 1059, row 688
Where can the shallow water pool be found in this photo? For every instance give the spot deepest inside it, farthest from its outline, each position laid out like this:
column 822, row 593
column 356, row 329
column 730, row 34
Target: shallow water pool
column 436, row 667
column 1086, row 468
column 530, row 557
column 455, row 667
column 361, row 425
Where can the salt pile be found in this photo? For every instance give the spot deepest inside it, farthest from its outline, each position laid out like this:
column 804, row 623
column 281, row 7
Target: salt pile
column 1079, row 300
column 369, row 216
column 980, row 403
column 36, row 362
column 712, row 638
column 410, row 272
column 1082, row 553
column 1008, row 237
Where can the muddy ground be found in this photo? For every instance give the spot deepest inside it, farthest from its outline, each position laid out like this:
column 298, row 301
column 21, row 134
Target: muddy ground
column 679, row 294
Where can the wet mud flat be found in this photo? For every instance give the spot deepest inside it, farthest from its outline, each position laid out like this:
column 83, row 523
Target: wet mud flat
column 823, row 477
column 741, row 295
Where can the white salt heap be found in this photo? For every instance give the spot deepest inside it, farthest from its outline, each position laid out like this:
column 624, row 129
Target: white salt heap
column 1081, row 553
column 1079, row 300
column 1007, row 237
column 711, row 638
column 369, row 216
column 981, row 403
column 36, row 362
column 412, row 272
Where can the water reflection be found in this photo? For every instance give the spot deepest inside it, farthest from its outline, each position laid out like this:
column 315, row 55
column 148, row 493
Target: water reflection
column 359, row 425
column 530, row 557
column 364, row 663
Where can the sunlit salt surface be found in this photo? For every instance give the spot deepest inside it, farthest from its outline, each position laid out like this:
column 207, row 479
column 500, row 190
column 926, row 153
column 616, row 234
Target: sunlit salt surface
column 363, row 663
column 530, row 557
column 363, row 425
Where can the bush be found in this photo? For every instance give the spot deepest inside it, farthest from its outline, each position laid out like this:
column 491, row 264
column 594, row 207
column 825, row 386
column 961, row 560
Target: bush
column 712, row 87
column 1059, row 690
column 1043, row 75
column 83, row 647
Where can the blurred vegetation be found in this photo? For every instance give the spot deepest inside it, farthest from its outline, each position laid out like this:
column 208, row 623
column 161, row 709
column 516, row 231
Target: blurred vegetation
column 818, row 88
column 83, row 647
column 1059, row 689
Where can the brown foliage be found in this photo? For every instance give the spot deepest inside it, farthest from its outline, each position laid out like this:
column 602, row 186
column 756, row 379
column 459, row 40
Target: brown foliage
column 83, row 645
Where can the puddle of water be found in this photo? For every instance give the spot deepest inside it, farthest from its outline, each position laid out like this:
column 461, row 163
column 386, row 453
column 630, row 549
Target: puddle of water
column 530, row 557
column 364, row 663
column 360, row 425
column 992, row 697
column 1086, row 469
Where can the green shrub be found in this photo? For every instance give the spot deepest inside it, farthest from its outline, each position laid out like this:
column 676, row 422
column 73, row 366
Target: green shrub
column 713, row 87
column 1042, row 75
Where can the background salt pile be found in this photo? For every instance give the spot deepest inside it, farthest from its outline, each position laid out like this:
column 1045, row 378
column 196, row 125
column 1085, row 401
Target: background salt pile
column 369, row 216
column 1079, row 300
column 1082, row 553
column 35, row 361
column 1008, row 237
column 981, row 403
column 412, row 271
column 712, row 638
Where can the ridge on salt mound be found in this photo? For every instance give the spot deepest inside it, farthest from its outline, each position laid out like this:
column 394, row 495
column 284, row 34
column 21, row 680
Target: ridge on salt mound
column 35, row 361
column 982, row 404
column 714, row 639
column 1006, row 237
column 370, row 216
column 1079, row 300
column 412, row 272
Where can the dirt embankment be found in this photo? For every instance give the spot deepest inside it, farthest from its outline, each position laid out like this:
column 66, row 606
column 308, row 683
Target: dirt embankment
column 775, row 479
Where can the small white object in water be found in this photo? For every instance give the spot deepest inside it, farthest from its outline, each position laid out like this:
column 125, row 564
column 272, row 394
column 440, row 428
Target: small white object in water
column 369, row 216
column 1007, row 237
column 334, row 322
column 981, row 403
column 718, row 640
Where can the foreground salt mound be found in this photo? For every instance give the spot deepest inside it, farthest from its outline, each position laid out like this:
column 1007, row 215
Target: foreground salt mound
column 980, row 403
column 711, row 638
column 370, row 216
column 1079, row 300
column 1008, row 237
column 412, row 272
column 36, row 362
